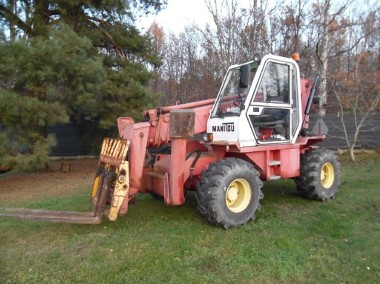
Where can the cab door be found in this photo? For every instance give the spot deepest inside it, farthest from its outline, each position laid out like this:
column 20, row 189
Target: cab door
column 272, row 112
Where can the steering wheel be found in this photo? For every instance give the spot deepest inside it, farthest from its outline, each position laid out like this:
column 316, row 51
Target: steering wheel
column 237, row 102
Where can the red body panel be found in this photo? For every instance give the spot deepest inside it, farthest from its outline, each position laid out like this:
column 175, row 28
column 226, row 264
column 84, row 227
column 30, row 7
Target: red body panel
column 169, row 174
column 306, row 86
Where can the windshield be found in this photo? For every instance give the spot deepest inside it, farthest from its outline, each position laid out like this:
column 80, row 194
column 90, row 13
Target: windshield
column 234, row 93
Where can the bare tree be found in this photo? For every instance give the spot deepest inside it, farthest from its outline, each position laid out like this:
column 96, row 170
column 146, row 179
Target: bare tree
column 358, row 94
column 292, row 24
column 237, row 32
column 329, row 43
column 223, row 34
column 157, row 36
column 325, row 18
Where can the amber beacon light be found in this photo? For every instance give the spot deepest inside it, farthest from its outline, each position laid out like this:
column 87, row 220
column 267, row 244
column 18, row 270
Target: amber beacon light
column 296, row 56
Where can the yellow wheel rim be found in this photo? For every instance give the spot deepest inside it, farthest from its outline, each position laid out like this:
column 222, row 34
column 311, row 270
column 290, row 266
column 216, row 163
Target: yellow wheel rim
column 327, row 175
column 238, row 195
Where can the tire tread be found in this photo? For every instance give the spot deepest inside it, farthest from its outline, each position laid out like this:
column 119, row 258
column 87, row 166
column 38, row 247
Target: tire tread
column 210, row 186
column 308, row 183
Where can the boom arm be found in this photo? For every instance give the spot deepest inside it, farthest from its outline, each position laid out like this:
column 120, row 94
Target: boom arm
column 162, row 128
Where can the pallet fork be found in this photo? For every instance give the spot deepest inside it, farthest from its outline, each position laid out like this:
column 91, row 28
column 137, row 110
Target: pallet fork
column 112, row 177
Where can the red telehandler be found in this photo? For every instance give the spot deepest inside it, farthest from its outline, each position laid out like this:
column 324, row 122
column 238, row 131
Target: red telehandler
column 255, row 130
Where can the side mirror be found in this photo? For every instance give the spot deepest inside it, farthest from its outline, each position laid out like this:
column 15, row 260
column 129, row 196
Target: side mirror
column 244, row 76
column 257, row 58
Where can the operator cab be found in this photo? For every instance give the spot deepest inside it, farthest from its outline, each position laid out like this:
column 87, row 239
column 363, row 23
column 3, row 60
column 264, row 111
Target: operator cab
column 258, row 103
column 234, row 92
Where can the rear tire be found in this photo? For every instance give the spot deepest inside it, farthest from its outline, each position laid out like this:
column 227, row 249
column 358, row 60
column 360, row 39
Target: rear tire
column 229, row 193
column 320, row 175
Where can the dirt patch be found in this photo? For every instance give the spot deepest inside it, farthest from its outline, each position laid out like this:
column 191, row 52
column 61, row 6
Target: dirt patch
column 18, row 188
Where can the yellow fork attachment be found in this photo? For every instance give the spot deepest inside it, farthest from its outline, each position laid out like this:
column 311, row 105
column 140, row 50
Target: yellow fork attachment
column 113, row 173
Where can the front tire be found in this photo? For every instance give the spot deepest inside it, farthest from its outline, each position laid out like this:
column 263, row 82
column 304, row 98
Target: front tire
column 229, row 193
column 320, row 175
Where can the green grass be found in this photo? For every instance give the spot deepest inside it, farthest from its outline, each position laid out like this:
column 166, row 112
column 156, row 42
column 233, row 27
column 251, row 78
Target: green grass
column 293, row 240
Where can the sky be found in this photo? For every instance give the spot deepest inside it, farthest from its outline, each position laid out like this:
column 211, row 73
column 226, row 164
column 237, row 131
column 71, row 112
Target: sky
column 181, row 13
column 178, row 14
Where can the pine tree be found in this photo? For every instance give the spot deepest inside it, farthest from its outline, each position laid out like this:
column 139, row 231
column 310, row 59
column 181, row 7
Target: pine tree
column 69, row 60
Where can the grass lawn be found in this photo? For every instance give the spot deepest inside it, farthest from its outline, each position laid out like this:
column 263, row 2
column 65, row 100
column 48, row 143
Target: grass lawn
column 293, row 240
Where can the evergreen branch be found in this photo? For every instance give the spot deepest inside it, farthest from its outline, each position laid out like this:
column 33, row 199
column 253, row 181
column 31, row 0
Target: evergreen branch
column 14, row 19
column 117, row 49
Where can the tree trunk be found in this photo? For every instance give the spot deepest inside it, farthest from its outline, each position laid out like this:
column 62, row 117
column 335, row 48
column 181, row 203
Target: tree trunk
column 352, row 154
column 12, row 25
column 322, row 53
